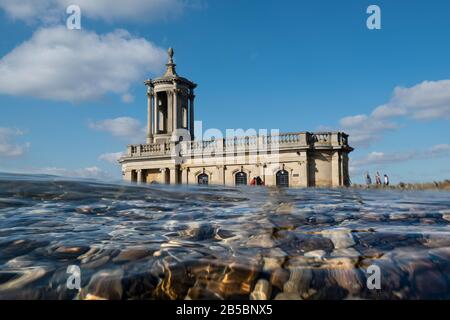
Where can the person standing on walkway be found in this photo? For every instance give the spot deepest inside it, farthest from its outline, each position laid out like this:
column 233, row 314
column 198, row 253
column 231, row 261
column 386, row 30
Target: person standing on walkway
column 259, row 181
column 368, row 179
column 378, row 178
column 386, row 180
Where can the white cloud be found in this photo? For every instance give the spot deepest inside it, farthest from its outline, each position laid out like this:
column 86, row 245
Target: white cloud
column 440, row 148
column 50, row 11
column 64, row 65
column 122, row 127
column 111, row 157
column 425, row 101
column 364, row 130
column 9, row 148
column 377, row 158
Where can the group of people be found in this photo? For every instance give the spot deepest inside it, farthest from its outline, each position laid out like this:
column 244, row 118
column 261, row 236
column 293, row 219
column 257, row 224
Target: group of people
column 257, row 181
column 377, row 179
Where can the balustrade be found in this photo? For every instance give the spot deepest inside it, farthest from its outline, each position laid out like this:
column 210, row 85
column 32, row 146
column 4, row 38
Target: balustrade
column 247, row 143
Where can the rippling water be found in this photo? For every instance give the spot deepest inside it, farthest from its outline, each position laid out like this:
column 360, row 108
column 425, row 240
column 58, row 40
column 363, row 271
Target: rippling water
column 174, row 242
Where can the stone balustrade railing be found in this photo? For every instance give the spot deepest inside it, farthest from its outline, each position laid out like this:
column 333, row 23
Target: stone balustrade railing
column 271, row 143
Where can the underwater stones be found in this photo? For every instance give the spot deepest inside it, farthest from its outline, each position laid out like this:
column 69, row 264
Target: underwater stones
column 375, row 217
column 297, row 262
column 198, row 232
column 91, row 253
column 315, row 254
column 96, row 257
column 139, row 286
column 19, row 262
column 272, row 263
column 347, row 252
column 413, row 265
column 71, row 250
column 21, row 278
column 106, row 284
column 437, row 241
column 279, row 277
column 340, row 263
column 277, row 253
column 261, row 291
column 96, row 263
column 93, row 297
column 299, row 281
column 222, row 234
column 325, row 286
column 198, row 292
column 285, row 208
column 288, row 296
column 351, row 280
column 92, row 209
column 64, row 252
column 311, row 242
column 441, row 253
column 342, row 238
column 20, row 247
column 131, row 254
column 324, row 219
column 430, row 283
column 261, row 241
column 399, row 216
column 232, row 280
column 429, row 221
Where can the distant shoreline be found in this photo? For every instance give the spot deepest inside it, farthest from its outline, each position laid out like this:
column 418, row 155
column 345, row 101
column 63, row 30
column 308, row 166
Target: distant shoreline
column 435, row 185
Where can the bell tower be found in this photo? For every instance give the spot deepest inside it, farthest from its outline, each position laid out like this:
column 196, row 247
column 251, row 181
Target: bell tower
column 170, row 105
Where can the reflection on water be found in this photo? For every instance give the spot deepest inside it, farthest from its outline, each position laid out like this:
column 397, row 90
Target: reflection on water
column 167, row 242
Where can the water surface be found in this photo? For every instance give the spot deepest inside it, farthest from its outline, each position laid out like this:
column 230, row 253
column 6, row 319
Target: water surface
column 177, row 242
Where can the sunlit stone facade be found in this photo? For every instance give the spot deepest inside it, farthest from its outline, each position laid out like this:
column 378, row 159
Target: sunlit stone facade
column 172, row 155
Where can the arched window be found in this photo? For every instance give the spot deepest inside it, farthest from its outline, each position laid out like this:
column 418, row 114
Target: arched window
column 282, row 178
column 203, row 178
column 240, row 178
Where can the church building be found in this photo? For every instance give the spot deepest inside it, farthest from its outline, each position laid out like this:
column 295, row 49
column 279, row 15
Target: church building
column 173, row 155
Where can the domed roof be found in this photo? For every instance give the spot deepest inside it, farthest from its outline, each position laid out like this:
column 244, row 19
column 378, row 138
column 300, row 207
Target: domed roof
column 171, row 74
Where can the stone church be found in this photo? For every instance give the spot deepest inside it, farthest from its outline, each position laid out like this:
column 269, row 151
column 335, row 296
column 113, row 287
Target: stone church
column 173, row 155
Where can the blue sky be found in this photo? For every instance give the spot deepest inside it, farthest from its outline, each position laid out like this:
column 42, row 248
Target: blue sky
column 71, row 100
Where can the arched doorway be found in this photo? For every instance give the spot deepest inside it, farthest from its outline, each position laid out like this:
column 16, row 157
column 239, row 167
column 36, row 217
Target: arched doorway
column 282, row 178
column 203, row 179
column 240, row 178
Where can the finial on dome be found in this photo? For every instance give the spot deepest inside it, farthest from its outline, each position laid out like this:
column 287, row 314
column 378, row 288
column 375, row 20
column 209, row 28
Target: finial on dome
column 170, row 72
column 170, row 52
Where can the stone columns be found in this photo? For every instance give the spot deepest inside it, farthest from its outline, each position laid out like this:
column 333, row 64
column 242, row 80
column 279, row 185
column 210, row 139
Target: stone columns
column 184, row 176
column 139, row 176
column 170, row 98
column 155, row 113
column 303, row 171
column 149, row 116
column 162, row 178
column 306, row 172
column 174, row 175
column 191, row 114
column 335, row 169
column 175, row 110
